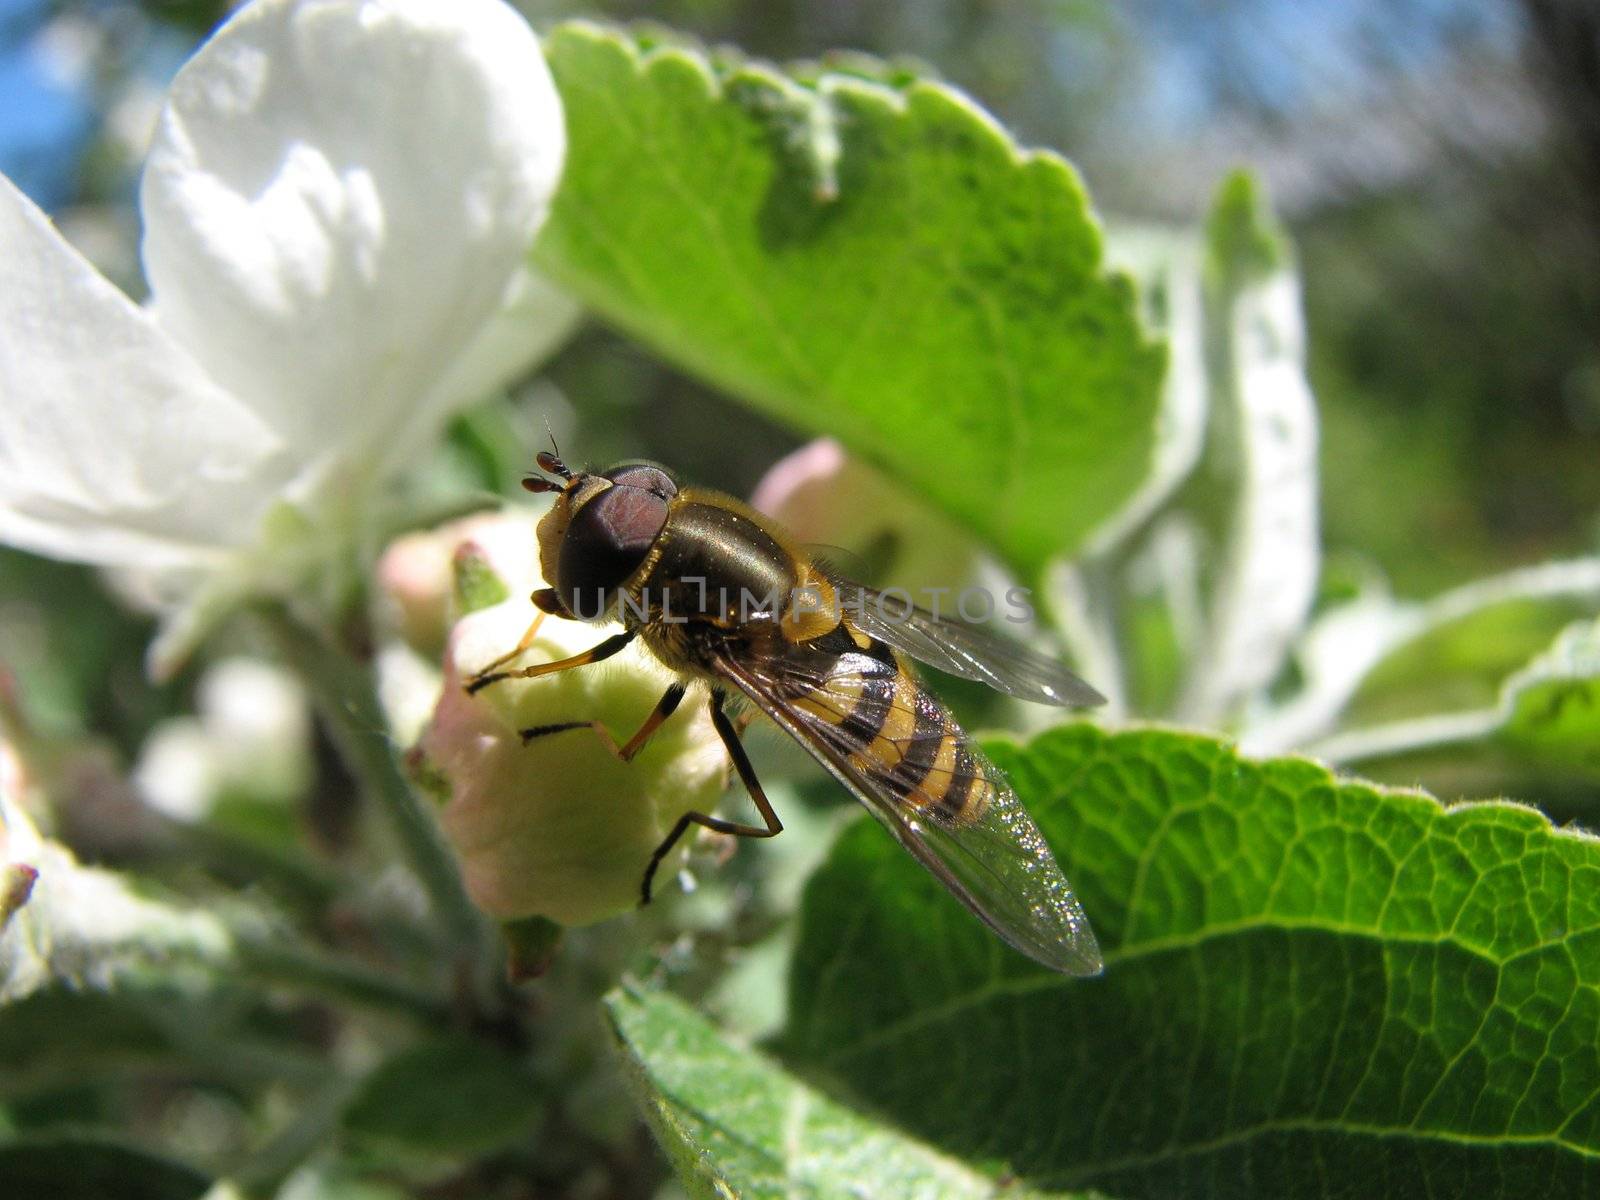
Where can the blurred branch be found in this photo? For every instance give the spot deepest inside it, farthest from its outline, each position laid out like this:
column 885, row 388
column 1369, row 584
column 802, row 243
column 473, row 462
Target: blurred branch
column 276, row 960
column 275, row 1160
column 1079, row 605
column 1397, row 738
column 346, row 698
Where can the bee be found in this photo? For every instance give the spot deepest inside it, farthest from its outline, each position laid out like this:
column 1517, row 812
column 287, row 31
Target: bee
column 723, row 597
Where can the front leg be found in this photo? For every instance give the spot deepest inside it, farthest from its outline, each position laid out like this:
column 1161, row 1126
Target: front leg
column 548, row 602
column 594, row 654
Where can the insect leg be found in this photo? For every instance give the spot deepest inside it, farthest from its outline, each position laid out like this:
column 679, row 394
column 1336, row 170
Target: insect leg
column 592, row 655
column 664, row 708
column 747, row 775
column 522, row 644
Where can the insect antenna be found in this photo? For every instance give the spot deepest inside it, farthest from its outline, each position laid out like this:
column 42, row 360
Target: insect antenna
column 553, row 464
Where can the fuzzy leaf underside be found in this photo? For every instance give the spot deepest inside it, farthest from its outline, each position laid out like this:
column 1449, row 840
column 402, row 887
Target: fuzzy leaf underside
column 452, row 1095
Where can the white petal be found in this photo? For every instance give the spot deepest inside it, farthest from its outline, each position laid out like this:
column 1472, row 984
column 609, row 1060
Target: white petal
column 337, row 197
column 536, row 318
column 115, row 447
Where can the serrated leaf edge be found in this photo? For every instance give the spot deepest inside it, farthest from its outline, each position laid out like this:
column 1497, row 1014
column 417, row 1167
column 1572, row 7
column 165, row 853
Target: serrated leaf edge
column 717, row 79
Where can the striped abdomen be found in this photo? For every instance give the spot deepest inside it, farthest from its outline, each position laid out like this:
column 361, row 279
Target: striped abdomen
column 868, row 707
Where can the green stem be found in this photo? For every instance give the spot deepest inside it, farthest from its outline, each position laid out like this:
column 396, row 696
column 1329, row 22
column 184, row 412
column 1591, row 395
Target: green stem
column 275, row 960
column 348, row 703
column 308, row 884
column 1075, row 602
column 262, row 1174
column 1416, row 735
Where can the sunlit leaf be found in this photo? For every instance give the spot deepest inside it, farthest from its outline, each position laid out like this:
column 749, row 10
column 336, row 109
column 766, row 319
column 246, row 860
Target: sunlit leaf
column 1373, row 659
column 1547, row 720
column 1312, row 987
column 88, row 927
column 736, row 1124
column 1553, row 705
column 879, row 263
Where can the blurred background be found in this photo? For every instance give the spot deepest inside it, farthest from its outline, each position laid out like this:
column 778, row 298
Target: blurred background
column 1438, row 162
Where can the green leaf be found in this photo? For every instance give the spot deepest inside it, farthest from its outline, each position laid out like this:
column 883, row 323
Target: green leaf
column 880, row 263
column 1552, row 706
column 61, row 1042
column 1463, row 661
column 452, row 1096
column 58, row 1033
column 89, row 927
column 1312, row 987
column 736, row 1124
column 81, row 665
column 89, row 1168
column 1216, row 584
column 1547, row 719
column 1373, row 660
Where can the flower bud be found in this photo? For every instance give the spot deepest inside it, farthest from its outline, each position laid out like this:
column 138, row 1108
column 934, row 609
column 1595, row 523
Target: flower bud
column 418, row 575
column 560, row 827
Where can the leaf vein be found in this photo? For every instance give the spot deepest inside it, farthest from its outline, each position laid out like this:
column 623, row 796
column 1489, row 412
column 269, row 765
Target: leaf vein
column 1040, row 982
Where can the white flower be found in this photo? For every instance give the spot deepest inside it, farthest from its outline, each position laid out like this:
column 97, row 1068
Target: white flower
column 250, row 737
column 337, row 205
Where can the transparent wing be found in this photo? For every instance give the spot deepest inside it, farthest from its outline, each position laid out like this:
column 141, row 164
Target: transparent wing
column 958, row 648
column 995, row 861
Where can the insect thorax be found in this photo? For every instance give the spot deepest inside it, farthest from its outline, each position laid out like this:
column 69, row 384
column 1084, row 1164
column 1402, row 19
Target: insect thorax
column 712, row 563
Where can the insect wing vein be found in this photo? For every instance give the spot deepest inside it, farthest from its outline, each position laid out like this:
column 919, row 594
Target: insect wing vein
column 958, row 648
column 991, row 857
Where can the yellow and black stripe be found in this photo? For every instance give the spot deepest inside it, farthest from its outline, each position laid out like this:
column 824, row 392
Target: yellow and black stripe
column 903, row 742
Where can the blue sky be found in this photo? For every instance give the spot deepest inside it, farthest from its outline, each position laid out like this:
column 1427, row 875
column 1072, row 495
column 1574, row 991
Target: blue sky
column 1288, row 53
column 45, row 120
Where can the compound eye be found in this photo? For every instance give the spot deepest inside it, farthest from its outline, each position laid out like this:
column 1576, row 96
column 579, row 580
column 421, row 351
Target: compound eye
column 647, row 475
column 606, row 541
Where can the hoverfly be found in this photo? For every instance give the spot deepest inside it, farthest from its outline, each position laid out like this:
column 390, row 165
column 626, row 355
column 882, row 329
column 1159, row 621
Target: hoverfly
column 721, row 596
